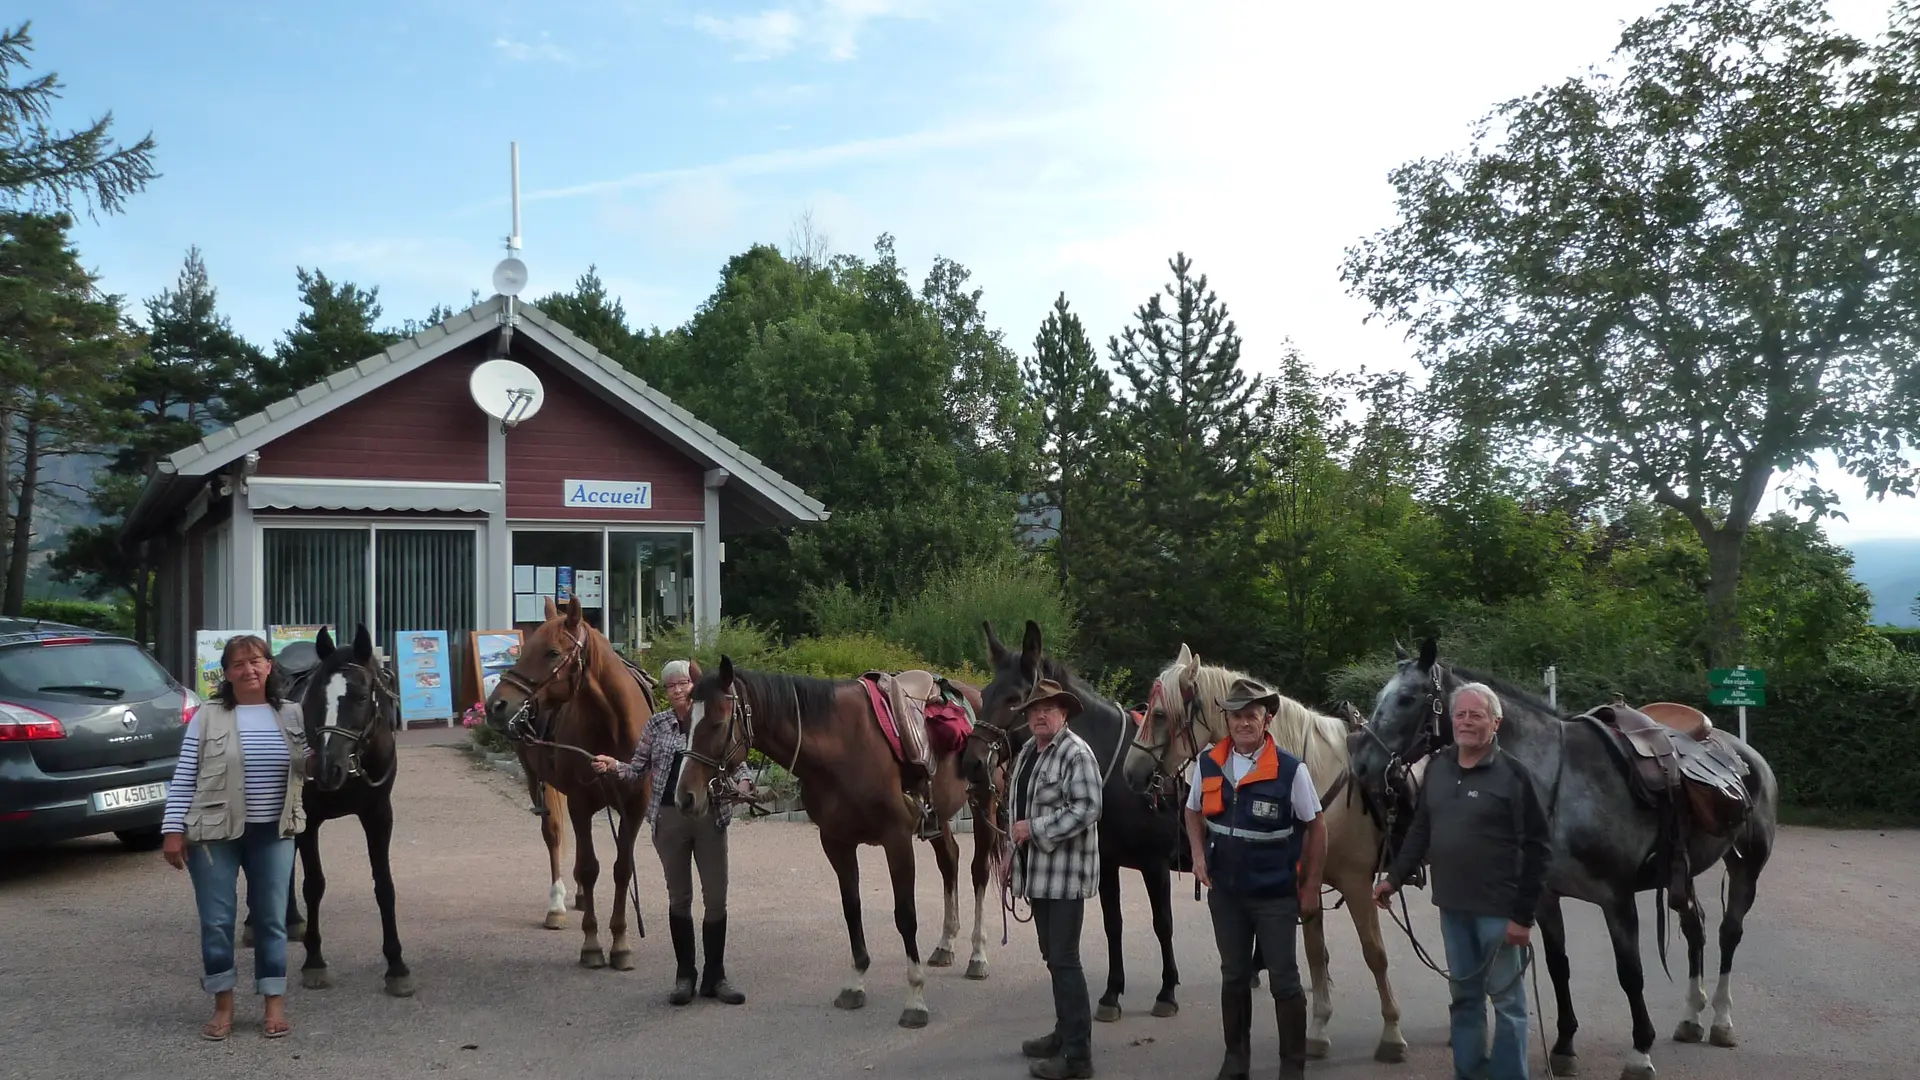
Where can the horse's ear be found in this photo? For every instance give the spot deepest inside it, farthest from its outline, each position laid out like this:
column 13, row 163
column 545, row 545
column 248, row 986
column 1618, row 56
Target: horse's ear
column 726, row 671
column 553, row 612
column 994, row 649
column 1030, row 648
column 1429, row 652
column 362, row 645
column 693, row 670
column 1400, row 652
column 573, row 611
column 1185, row 659
column 323, row 645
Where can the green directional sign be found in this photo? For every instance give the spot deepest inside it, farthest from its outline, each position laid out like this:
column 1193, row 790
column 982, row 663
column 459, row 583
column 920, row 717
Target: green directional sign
column 1750, row 677
column 1751, row 697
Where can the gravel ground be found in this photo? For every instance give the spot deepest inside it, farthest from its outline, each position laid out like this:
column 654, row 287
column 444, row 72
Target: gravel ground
column 99, row 967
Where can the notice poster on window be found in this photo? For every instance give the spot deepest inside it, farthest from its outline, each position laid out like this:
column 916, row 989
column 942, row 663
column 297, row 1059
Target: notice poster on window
column 546, row 579
column 529, row 607
column 523, row 578
column 426, row 675
column 207, row 646
column 587, row 585
column 562, row 584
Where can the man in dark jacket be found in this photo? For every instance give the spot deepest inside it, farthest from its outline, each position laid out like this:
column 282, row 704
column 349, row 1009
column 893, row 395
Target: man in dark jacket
column 1482, row 830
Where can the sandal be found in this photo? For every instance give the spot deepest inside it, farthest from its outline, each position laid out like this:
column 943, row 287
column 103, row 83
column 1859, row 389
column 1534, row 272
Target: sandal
column 277, row 1028
column 217, row 1030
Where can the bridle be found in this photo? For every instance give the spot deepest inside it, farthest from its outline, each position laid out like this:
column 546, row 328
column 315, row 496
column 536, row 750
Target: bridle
column 571, row 664
column 999, row 744
column 739, row 743
column 1165, row 783
column 1433, row 734
column 385, row 705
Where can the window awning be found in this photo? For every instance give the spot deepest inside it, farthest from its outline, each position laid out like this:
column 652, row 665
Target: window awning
column 301, row 493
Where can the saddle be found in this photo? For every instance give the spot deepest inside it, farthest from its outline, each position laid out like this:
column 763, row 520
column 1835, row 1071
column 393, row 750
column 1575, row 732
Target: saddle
column 1678, row 755
column 922, row 716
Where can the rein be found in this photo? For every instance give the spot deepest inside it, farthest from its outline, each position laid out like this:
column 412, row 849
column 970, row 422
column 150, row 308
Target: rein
column 740, row 738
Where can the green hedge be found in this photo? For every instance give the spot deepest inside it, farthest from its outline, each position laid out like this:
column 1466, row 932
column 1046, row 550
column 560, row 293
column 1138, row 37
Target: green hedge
column 106, row 618
column 1904, row 638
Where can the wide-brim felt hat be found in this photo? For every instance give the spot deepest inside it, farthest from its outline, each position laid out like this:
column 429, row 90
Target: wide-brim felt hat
column 1048, row 690
column 1245, row 692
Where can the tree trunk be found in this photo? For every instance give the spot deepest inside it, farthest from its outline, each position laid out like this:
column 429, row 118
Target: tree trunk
column 23, row 520
column 1724, row 640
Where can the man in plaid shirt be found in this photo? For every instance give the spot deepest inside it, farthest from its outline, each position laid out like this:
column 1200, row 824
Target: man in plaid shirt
column 1056, row 866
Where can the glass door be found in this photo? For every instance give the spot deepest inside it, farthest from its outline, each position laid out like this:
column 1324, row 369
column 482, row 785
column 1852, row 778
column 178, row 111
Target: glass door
column 649, row 585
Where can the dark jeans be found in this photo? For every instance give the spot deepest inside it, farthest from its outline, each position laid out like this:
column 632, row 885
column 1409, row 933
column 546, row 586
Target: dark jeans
column 1058, row 923
column 267, row 858
column 1238, row 921
column 686, row 844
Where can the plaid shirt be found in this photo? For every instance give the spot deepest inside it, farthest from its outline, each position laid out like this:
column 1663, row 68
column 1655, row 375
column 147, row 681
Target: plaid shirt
column 1062, row 861
column 659, row 747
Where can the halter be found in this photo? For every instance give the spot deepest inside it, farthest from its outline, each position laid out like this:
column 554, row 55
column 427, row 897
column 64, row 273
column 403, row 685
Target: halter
column 740, row 738
column 520, row 726
column 999, row 743
column 1164, row 783
column 384, row 701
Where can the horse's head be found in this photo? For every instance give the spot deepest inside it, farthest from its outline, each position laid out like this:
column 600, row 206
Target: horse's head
column 552, row 662
column 1176, row 726
column 999, row 732
column 719, row 734
column 1409, row 721
column 346, row 708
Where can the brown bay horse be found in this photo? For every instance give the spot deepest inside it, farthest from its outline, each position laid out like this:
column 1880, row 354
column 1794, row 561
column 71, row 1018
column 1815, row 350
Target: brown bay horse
column 569, row 697
column 851, row 786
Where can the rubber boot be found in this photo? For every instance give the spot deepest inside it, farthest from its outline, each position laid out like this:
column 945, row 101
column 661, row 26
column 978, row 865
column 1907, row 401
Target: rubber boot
column 1236, row 1023
column 1291, row 1016
column 681, row 929
column 713, row 978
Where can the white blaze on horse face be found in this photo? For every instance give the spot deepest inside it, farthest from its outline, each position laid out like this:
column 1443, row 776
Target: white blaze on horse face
column 336, row 689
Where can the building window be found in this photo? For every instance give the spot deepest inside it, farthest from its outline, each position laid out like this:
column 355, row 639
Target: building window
column 423, row 580
column 390, row 579
column 315, row 576
column 542, row 558
column 649, row 585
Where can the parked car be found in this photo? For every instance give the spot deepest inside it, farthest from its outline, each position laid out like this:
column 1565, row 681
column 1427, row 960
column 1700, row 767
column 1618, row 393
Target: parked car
column 90, row 728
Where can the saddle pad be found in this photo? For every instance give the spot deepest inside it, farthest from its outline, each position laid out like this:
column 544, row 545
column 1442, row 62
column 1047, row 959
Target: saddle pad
column 883, row 713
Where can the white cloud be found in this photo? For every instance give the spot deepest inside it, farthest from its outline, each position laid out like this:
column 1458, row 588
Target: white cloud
column 832, row 26
column 540, row 50
column 762, row 36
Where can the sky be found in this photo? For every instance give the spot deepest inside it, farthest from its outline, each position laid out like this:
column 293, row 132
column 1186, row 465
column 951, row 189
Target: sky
column 1050, row 147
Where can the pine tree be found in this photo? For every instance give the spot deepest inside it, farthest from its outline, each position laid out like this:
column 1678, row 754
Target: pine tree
column 337, row 330
column 46, row 170
column 596, row 317
column 1073, row 393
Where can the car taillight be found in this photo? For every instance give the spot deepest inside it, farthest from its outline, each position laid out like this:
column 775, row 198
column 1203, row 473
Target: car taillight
column 189, row 704
column 66, row 641
column 21, row 724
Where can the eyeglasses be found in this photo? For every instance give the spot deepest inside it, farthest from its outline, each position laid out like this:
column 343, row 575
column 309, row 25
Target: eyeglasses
column 677, row 684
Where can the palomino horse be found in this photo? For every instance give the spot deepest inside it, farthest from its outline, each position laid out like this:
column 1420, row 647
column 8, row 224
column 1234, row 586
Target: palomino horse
column 1604, row 839
column 824, row 733
column 570, row 697
column 1184, row 717
column 1139, row 817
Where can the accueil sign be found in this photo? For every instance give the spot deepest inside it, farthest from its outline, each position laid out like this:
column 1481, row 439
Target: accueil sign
column 609, row 494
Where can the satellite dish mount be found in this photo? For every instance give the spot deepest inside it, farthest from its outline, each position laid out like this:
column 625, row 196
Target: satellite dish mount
column 506, row 390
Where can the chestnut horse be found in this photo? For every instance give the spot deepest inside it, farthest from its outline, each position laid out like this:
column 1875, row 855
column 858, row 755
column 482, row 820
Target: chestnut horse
column 569, row 697
column 824, row 733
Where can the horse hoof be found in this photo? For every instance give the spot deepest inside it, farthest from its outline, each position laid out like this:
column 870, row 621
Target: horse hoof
column 556, row 920
column 913, row 1018
column 976, row 969
column 621, row 960
column 941, row 958
column 1689, row 1031
column 1722, row 1035
column 315, row 978
column 1636, row 1072
column 1164, row 1009
column 1106, row 1013
column 851, row 999
column 1386, row 1053
column 592, row 958
column 1564, row 1065
column 400, row 986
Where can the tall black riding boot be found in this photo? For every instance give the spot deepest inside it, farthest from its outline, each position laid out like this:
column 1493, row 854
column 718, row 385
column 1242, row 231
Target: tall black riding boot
column 1236, row 1023
column 681, row 929
column 713, row 977
column 1291, row 1015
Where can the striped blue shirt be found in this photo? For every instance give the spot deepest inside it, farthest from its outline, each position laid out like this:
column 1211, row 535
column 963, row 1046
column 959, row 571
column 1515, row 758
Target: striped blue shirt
column 264, row 749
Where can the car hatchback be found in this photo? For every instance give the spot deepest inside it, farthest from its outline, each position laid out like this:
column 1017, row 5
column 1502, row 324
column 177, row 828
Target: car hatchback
column 90, row 728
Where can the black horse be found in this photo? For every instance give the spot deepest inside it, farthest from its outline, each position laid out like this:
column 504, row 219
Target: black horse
column 1140, row 826
column 351, row 710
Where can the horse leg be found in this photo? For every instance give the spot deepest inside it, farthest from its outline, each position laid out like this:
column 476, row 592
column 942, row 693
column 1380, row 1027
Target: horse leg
column 1108, row 1009
column 906, row 919
column 1623, row 926
column 553, row 835
column 1693, row 926
column 1743, row 874
column 982, row 873
column 845, row 860
column 296, row 926
column 1366, row 921
column 586, row 871
column 313, row 971
column 1159, row 881
column 1313, row 940
column 1553, row 940
column 621, row 958
column 378, row 825
column 946, row 854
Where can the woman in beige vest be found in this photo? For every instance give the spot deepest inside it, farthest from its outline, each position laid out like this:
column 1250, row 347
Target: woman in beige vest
column 235, row 805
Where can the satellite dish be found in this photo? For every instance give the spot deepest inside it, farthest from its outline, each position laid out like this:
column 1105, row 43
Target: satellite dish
column 506, row 390
column 509, row 277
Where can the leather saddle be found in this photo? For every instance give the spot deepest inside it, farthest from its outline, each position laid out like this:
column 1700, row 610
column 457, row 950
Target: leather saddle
column 905, row 696
column 296, row 663
column 1677, row 756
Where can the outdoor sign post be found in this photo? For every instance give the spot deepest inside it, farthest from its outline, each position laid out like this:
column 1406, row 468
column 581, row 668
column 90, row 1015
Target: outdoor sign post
column 1741, row 686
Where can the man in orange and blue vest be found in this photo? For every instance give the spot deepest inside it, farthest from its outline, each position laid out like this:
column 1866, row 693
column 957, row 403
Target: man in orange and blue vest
column 1259, row 843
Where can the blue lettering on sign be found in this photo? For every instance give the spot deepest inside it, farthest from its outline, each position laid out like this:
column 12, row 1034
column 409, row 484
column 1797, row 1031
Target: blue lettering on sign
column 635, row 494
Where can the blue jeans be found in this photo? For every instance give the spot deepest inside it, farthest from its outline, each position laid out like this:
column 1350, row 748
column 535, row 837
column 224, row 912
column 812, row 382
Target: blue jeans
column 1469, row 939
column 267, row 857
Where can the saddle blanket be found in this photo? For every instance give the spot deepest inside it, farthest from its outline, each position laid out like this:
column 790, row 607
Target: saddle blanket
column 922, row 718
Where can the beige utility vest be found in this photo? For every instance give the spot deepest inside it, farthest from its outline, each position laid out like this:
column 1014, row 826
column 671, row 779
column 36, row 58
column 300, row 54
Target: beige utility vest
column 219, row 807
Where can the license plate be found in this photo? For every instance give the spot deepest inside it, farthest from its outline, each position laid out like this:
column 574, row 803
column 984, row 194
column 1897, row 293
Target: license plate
column 128, row 797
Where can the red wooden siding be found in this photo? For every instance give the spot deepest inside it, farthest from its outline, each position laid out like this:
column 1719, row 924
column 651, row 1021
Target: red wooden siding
column 423, row 426
column 578, row 436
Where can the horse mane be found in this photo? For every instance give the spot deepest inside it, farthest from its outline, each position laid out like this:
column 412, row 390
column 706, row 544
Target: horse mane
column 1508, row 690
column 1318, row 740
column 773, row 694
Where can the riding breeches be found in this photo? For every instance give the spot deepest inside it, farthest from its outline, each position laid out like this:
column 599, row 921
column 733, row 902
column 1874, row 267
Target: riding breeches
column 685, row 843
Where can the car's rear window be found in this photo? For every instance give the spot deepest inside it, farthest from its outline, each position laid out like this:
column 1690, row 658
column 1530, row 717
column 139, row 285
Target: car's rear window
column 112, row 671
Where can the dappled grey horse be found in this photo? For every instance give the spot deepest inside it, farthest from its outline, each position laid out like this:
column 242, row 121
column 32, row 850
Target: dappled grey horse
column 1604, row 839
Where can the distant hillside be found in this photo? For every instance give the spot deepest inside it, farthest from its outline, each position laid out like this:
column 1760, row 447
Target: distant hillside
column 1890, row 569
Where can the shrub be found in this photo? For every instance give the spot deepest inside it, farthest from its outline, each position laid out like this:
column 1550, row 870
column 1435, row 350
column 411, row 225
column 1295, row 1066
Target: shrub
column 943, row 622
column 842, row 656
column 840, row 610
column 106, row 618
column 741, row 639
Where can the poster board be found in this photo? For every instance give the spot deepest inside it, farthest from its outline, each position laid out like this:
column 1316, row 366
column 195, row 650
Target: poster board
column 279, row 637
column 425, row 670
column 587, row 586
column 490, row 652
column 207, row 647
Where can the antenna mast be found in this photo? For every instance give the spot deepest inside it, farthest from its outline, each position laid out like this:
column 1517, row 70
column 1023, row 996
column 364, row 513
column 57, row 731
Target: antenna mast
column 511, row 275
